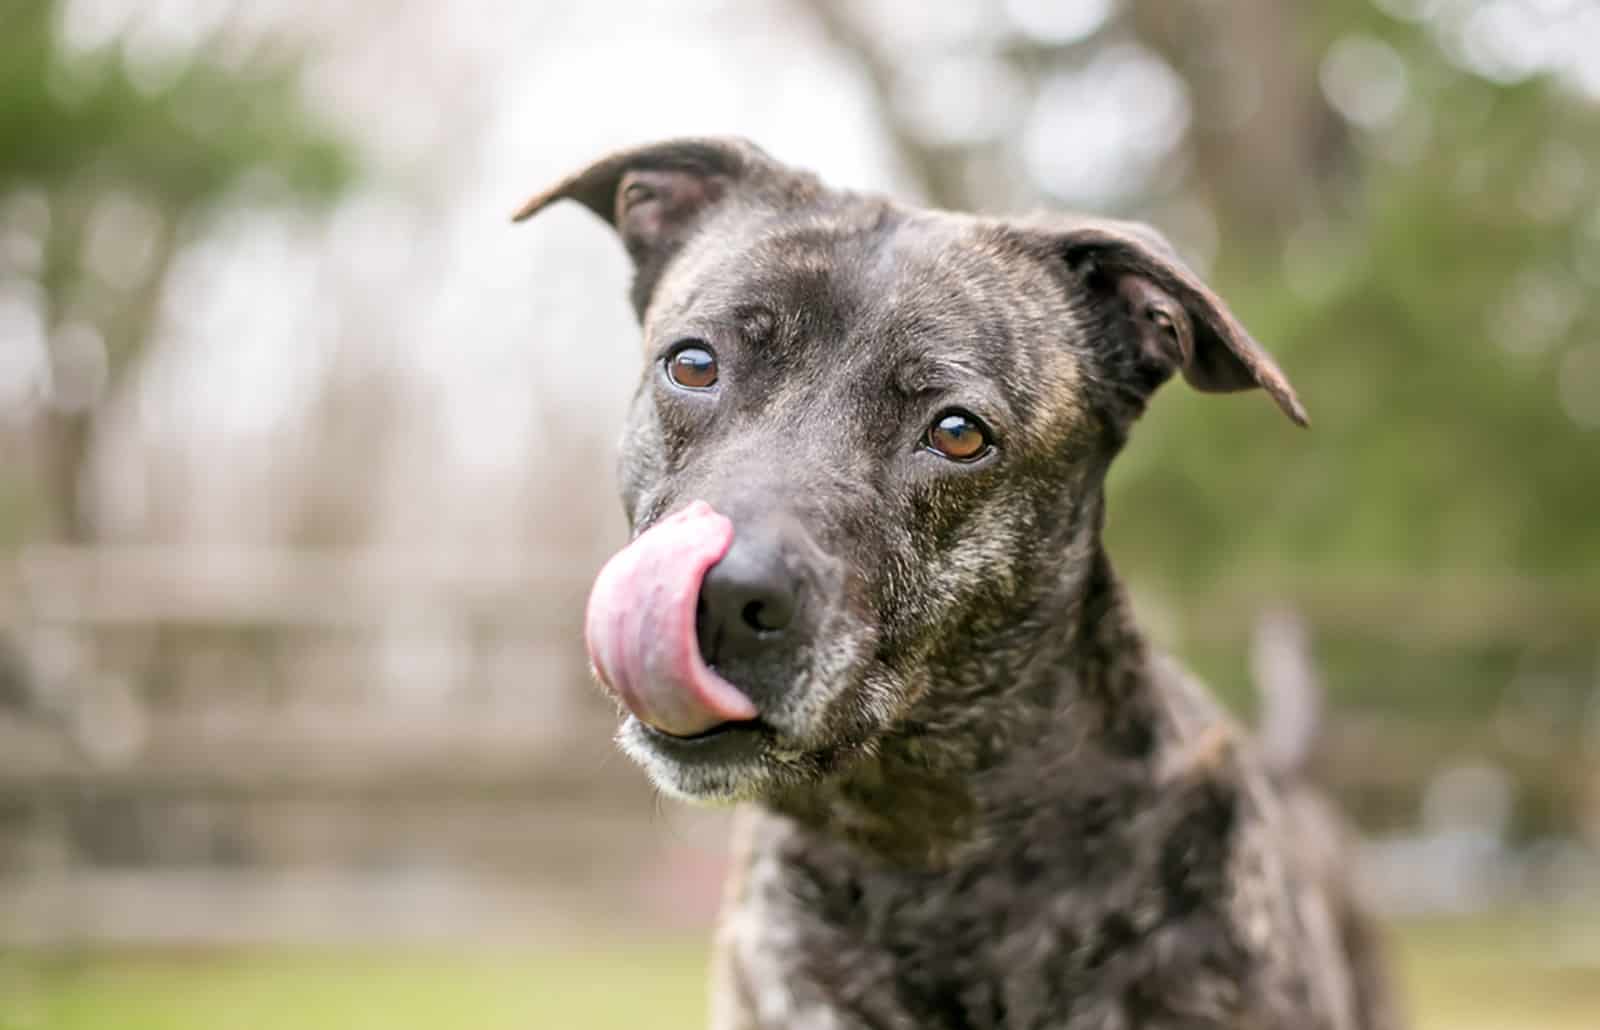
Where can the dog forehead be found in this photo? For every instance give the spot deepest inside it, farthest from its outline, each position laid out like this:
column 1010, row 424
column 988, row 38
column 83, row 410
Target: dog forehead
column 865, row 259
column 749, row 255
column 903, row 289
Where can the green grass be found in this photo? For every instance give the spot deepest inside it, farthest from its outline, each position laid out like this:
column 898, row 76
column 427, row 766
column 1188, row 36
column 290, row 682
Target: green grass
column 646, row 986
column 1508, row 973
column 1529, row 971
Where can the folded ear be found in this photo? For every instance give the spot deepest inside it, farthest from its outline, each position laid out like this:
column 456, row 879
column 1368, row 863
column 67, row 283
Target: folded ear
column 656, row 195
column 1178, row 323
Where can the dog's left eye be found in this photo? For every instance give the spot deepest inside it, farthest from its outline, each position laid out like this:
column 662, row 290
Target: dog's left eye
column 693, row 366
column 958, row 436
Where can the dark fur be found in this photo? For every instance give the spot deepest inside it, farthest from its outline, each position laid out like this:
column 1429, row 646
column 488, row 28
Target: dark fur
column 979, row 800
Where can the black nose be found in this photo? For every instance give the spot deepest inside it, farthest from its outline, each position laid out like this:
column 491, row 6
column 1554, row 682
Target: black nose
column 747, row 601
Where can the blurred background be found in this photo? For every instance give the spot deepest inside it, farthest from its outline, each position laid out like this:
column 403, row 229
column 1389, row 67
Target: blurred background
column 305, row 465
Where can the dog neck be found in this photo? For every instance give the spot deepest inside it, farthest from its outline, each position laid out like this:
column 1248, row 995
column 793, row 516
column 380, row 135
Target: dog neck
column 1064, row 692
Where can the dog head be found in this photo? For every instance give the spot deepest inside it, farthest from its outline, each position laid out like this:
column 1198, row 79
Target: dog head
column 867, row 441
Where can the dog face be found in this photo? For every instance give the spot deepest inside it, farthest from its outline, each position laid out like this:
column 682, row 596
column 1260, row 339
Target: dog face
column 867, row 444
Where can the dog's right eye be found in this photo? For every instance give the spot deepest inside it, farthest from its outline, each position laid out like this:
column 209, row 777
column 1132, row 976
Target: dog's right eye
column 692, row 366
column 958, row 436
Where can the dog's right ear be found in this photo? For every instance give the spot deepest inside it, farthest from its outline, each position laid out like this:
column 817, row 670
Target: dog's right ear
column 655, row 196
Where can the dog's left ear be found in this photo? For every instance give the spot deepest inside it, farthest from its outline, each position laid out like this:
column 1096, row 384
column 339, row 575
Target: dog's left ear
column 1179, row 323
column 656, row 196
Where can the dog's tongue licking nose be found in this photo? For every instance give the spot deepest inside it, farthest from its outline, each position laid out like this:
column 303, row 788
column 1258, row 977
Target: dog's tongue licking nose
column 640, row 626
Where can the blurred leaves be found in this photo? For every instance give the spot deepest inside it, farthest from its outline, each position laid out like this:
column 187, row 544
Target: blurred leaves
column 1427, row 320
column 109, row 162
column 179, row 141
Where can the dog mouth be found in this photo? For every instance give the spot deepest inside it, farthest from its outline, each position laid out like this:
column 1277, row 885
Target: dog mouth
column 640, row 631
column 724, row 744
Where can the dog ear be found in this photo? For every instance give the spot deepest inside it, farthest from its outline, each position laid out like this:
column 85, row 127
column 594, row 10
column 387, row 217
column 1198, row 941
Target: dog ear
column 656, row 195
column 1180, row 325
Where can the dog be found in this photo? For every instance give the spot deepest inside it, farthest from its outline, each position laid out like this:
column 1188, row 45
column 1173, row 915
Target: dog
column 866, row 597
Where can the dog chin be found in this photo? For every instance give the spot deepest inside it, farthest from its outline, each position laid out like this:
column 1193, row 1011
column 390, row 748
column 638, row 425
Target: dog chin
column 723, row 768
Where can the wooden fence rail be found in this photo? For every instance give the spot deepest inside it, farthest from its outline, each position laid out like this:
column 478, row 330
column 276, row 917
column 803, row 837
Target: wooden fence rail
column 311, row 588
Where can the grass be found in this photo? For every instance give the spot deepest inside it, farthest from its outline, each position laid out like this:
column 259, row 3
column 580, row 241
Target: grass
column 1527, row 971
column 658, row 985
column 1507, row 973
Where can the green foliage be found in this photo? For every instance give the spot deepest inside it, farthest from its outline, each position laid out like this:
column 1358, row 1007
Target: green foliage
column 1440, row 444
column 180, row 142
column 164, row 146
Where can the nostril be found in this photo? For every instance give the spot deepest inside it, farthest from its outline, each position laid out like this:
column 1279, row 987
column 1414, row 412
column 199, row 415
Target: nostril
column 746, row 600
column 705, row 632
column 762, row 617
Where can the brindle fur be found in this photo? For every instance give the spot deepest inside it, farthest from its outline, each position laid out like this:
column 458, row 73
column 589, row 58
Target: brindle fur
column 978, row 799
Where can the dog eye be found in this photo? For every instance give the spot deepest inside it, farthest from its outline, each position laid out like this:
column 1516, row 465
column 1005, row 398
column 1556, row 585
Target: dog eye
column 692, row 366
column 958, row 436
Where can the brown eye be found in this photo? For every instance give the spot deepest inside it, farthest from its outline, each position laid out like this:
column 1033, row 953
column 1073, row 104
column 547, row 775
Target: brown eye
column 692, row 367
column 958, row 436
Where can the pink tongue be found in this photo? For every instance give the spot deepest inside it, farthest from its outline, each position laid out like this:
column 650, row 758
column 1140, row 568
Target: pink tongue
column 640, row 625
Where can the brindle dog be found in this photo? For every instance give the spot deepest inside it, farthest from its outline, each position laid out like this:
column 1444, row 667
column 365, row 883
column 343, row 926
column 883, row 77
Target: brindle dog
column 867, row 595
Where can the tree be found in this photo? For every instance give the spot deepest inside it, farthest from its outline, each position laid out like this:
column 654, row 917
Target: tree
column 109, row 166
